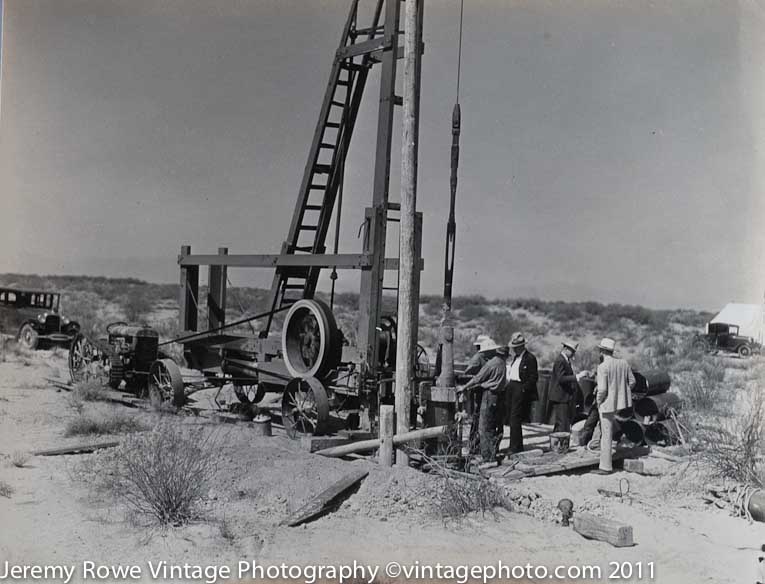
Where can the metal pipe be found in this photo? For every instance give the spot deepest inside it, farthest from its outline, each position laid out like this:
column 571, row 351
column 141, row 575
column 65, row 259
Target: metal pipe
column 657, row 405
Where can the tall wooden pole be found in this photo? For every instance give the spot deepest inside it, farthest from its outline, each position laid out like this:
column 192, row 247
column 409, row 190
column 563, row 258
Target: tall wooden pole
column 408, row 292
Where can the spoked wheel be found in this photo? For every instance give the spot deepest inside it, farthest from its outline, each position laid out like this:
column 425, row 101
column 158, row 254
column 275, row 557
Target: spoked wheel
column 305, row 407
column 166, row 383
column 85, row 361
column 249, row 394
column 28, row 337
column 744, row 351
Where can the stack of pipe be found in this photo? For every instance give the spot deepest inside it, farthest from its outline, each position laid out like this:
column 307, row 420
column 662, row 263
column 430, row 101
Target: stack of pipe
column 651, row 419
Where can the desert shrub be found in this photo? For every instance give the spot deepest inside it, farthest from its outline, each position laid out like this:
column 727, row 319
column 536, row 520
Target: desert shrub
column 701, row 394
column 735, row 449
column 474, row 311
column 137, row 304
column 6, row 490
column 458, row 496
column 19, row 459
column 586, row 359
column 165, row 473
column 88, row 390
column 502, row 326
column 113, row 423
column 460, row 302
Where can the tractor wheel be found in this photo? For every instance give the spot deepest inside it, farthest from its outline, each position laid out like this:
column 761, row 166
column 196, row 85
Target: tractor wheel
column 305, row 407
column 166, row 383
column 311, row 342
column 249, row 394
column 86, row 361
column 28, row 337
column 116, row 371
column 744, row 351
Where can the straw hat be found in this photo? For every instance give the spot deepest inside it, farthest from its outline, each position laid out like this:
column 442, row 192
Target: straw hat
column 571, row 345
column 607, row 344
column 517, row 340
column 480, row 339
column 488, row 345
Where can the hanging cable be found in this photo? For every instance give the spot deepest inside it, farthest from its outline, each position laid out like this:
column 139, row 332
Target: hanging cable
column 459, row 52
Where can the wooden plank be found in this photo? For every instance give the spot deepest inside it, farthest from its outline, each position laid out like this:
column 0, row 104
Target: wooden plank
column 76, row 449
column 634, row 466
column 594, row 527
column 321, row 502
column 574, row 461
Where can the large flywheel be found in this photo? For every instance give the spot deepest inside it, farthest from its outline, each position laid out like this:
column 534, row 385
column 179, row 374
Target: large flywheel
column 311, row 342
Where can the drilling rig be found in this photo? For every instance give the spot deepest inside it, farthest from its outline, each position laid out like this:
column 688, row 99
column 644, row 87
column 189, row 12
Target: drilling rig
column 310, row 360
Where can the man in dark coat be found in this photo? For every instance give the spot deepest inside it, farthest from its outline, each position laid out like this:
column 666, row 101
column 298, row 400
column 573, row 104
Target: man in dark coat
column 490, row 381
column 522, row 375
column 563, row 387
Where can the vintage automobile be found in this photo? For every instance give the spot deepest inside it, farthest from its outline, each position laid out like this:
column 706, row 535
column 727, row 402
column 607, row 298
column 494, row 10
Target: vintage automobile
column 33, row 316
column 726, row 338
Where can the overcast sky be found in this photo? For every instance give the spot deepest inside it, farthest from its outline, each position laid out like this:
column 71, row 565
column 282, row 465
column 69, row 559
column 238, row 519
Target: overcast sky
column 610, row 150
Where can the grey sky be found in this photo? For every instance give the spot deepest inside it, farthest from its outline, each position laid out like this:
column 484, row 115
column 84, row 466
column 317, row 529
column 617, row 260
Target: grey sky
column 610, row 150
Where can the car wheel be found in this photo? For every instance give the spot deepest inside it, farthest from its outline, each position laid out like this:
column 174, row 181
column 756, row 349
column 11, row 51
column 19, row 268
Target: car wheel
column 744, row 351
column 28, row 337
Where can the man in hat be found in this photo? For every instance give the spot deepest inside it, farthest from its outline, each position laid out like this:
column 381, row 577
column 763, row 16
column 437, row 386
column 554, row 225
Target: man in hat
column 490, row 382
column 563, row 387
column 522, row 375
column 614, row 393
column 473, row 401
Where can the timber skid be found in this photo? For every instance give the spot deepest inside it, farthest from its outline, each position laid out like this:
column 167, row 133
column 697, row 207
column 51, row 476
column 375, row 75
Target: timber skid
column 311, row 362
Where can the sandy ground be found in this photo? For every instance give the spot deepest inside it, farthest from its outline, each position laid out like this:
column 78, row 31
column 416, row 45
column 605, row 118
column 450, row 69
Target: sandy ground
column 56, row 517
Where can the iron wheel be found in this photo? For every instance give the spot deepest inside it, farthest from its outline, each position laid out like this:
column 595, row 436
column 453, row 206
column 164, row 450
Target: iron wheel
column 28, row 337
column 166, row 383
column 305, row 407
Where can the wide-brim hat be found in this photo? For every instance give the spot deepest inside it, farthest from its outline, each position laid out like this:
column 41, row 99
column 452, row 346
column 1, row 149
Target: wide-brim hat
column 517, row 340
column 571, row 345
column 607, row 344
column 480, row 339
column 488, row 345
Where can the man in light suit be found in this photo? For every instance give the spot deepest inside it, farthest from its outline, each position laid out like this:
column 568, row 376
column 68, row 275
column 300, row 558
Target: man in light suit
column 614, row 393
column 522, row 376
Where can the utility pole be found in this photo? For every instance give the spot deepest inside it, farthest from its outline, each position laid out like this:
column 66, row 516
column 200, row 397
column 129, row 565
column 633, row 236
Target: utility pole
column 409, row 261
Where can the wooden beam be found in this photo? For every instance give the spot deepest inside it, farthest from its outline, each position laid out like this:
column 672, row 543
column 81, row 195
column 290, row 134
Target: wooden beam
column 601, row 529
column 324, row 500
column 346, row 261
column 361, row 446
column 76, row 449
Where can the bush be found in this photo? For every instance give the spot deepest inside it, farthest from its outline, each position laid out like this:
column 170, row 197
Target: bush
column 6, row 490
column 137, row 305
column 735, row 450
column 165, row 473
column 474, row 311
column 115, row 423
column 702, row 395
column 88, row 390
column 504, row 325
column 19, row 459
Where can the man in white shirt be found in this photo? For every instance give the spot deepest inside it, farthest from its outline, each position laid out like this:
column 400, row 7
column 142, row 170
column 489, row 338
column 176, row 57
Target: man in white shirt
column 522, row 376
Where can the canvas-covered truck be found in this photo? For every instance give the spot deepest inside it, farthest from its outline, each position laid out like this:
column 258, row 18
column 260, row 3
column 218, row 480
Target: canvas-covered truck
column 34, row 317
